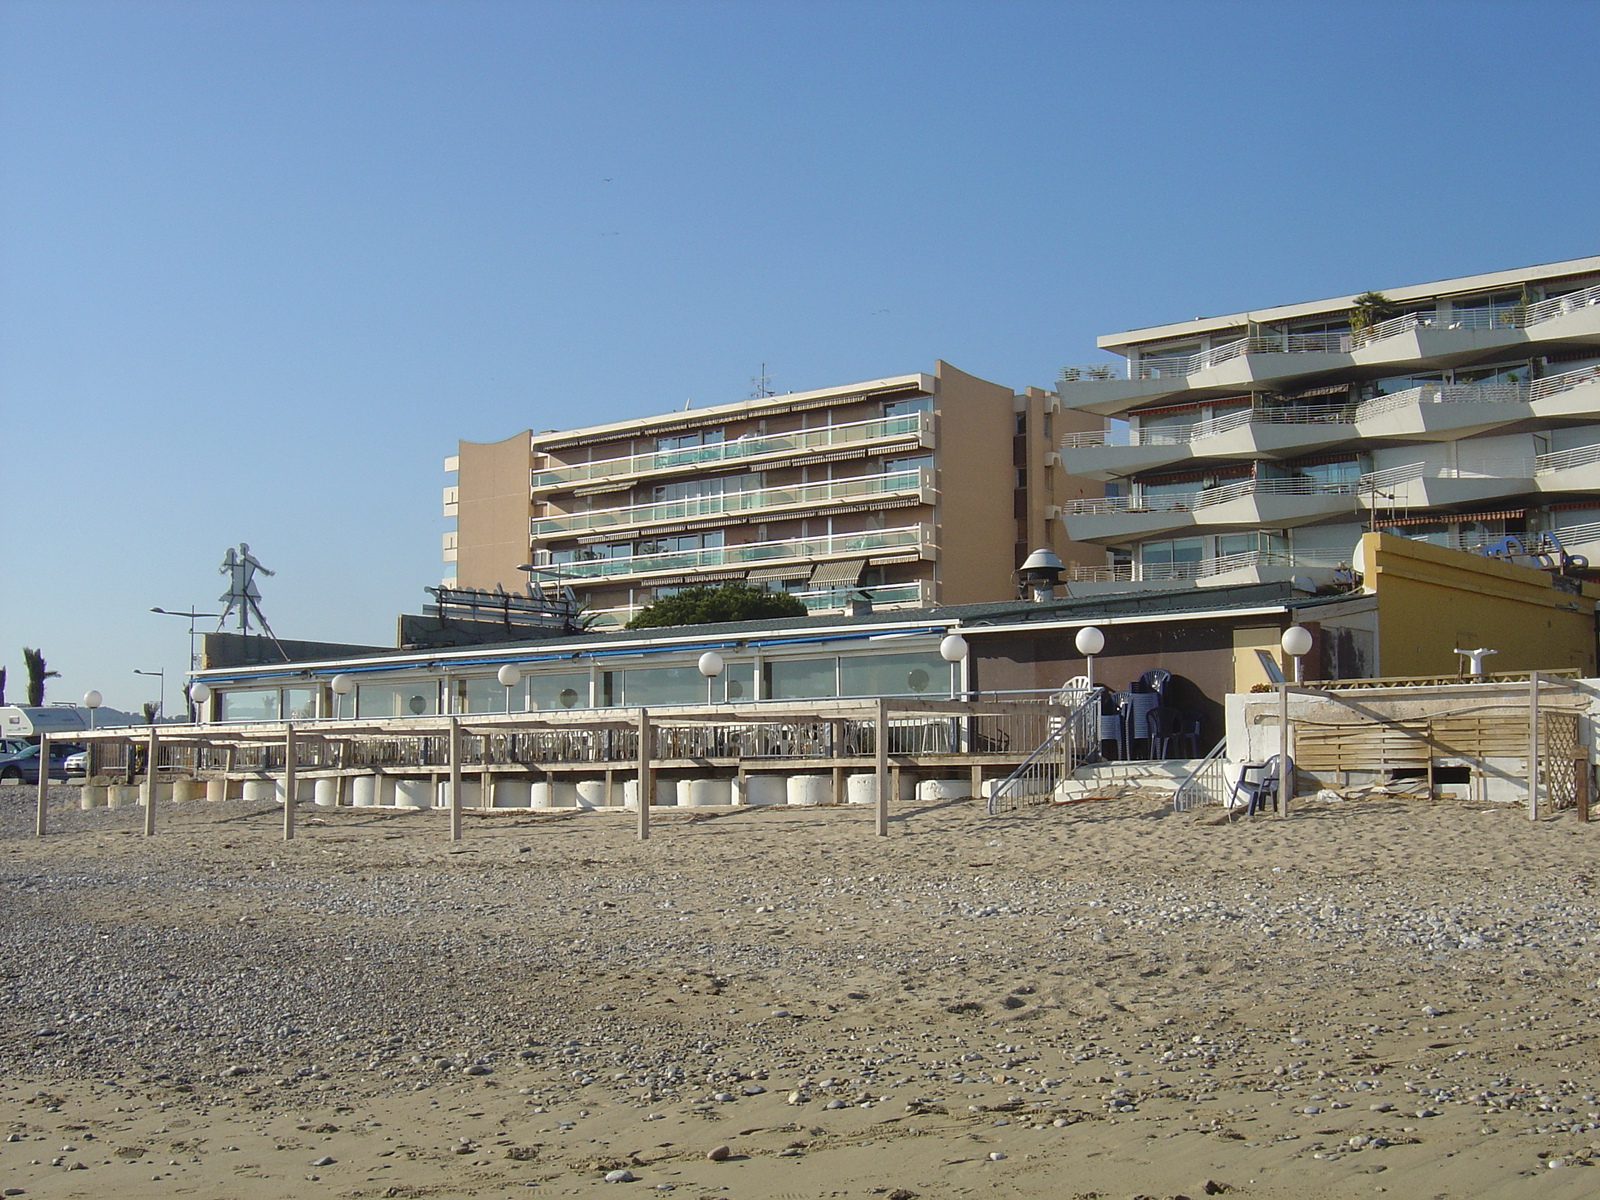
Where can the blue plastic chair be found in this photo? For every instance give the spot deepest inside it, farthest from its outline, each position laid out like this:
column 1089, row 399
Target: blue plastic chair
column 1261, row 792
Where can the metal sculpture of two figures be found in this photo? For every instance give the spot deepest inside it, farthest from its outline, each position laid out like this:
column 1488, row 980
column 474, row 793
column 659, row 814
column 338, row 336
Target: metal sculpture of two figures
column 240, row 566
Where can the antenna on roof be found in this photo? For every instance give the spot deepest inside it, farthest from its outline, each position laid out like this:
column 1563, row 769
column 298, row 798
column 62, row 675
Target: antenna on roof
column 762, row 385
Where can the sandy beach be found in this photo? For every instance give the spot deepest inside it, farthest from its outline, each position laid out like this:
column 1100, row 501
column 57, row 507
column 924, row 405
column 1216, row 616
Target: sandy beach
column 1097, row 1000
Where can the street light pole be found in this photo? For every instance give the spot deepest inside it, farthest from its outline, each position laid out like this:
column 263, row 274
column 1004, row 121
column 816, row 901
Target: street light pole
column 161, row 704
column 193, row 617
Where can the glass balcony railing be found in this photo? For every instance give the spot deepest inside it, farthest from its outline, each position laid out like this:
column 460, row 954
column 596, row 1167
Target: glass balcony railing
column 865, row 487
column 917, row 425
column 836, row 546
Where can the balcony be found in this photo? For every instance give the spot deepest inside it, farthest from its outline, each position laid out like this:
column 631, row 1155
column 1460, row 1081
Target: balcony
column 1467, row 332
column 1438, row 412
column 1251, row 433
column 1430, row 485
column 911, row 540
column 915, row 429
column 865, row 489
column 1249, row 502
column 1228, row 570
column 916, row 594
column 1568, row 470
column 1567, row 395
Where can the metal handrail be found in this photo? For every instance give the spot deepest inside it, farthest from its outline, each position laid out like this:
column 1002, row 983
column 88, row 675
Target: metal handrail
column 1075, row 737
column 1208, row 783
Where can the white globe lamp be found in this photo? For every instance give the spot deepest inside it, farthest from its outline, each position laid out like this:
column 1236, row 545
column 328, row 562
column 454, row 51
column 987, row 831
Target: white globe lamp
column 509, row 676
column 1090, row 641
column 1296, row 643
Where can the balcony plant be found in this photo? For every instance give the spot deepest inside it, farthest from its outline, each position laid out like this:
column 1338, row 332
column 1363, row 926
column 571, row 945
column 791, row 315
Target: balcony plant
column 1369, row 309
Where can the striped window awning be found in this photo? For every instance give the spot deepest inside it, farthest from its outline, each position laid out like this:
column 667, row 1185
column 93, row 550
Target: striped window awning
column 777, row 574
column 839, row 574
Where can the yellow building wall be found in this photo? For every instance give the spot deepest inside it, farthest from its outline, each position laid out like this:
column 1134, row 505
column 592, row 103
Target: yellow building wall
column 492, row 513
column 977, row 488
column 1432, row 601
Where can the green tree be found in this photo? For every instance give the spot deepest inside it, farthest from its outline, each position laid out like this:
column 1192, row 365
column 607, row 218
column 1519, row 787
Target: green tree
column 733, row 601
column 37, row 674
column 1369, row 309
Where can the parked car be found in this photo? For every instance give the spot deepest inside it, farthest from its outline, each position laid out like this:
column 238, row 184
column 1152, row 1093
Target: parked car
column 23, row 766
column 77, row 762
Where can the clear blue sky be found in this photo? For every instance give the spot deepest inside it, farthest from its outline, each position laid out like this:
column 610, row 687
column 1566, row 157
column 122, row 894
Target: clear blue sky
column 261, row 264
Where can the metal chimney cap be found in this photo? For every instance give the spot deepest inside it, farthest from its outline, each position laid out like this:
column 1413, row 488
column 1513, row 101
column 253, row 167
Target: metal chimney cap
column 1044, row 560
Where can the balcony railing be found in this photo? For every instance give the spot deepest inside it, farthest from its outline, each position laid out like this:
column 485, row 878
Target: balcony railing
column 1207, row 567
column 1268, row 343
column 839, row 491
column 836, row 546
column 1490, row 316
column 1181, row 435
column 1554, row 385
column 918, row 425
column 1545, row 310
column 1206, row 497
column 1443, row 393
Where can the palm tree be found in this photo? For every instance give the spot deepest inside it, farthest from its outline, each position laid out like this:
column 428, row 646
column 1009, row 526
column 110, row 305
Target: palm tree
column 37, row 674
column 1369, row 309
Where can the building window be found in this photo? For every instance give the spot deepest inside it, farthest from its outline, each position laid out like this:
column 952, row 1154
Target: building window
column 920, row 462
column 907, row 408
column 686, row 441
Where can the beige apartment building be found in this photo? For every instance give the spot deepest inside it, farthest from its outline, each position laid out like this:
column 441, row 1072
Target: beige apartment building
column 908, row 491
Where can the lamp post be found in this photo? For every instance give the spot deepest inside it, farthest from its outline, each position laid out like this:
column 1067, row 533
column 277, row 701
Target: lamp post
column 1296, row 643
column 710, row 665
column 953, row 649
column 92, row 700
column 1089, row 642
column 199, row 697
column 161, row 704
column 342, row 686
column 193, row 616
column 509, row 676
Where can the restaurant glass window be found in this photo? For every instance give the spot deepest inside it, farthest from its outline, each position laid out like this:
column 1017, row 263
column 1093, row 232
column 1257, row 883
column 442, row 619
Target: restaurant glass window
column 915, row 674
column 300, row 704
column 257, row 704
column 802, row 679
column 558, row 690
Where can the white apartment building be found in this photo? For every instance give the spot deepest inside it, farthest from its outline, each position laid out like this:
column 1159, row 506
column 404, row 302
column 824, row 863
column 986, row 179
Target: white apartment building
column 1260, row 445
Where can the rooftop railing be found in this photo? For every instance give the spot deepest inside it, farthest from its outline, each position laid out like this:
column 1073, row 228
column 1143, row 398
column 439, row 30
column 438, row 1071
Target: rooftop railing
column 916, row 594
column 919, row 425
column 865, row 487
column 834, row 546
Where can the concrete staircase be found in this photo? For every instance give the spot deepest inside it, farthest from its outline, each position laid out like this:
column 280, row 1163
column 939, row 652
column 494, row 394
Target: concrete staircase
column 1163, row 774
